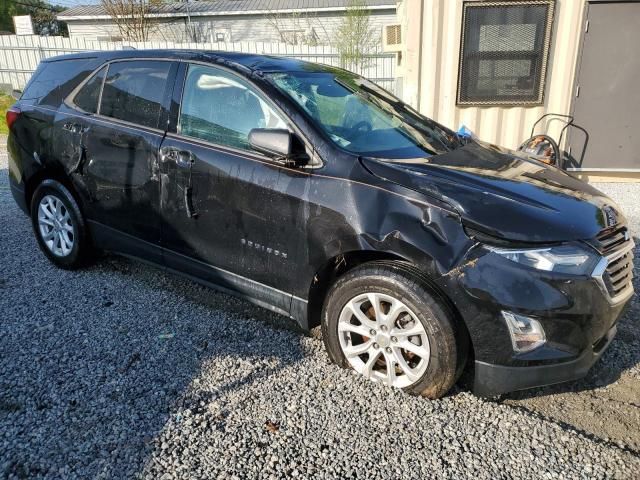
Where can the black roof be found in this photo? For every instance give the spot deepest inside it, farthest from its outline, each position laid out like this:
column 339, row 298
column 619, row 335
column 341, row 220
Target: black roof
column 250, row 61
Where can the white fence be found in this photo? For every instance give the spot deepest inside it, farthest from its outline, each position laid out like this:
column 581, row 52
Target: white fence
column 20, row 55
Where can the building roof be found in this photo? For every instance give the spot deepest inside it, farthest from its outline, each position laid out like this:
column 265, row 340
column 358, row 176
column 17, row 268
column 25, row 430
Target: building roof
column 226, row 7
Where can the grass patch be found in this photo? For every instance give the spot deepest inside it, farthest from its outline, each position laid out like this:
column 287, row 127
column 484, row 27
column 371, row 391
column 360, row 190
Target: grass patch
column 5, row 102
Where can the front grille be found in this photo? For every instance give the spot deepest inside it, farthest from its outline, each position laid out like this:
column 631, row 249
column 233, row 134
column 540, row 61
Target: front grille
column 618, row 275
column 616, row 245
column 610, row 239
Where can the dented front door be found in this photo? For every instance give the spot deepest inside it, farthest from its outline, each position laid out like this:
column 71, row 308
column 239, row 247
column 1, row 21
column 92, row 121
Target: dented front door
column 231, row 219
column 230, row 215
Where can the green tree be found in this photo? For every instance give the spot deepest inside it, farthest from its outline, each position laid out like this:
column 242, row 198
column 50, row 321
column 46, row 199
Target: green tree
column 43, row 16
column 355, row 38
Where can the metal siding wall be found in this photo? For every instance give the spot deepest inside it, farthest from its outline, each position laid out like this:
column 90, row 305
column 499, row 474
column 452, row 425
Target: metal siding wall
column 507, row 126
column 91, row 30
column 243, row 28
column 251, row 28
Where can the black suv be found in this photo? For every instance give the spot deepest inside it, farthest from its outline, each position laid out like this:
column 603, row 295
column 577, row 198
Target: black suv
column 315, row 193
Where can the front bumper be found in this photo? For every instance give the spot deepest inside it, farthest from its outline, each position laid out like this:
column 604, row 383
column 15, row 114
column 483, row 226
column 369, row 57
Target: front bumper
column 578, row 317
column 490, row 379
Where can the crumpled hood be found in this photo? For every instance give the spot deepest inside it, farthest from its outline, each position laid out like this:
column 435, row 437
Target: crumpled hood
column 505, row 193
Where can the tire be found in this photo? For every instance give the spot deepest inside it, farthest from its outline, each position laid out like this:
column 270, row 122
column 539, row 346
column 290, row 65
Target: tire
column 59, row 226
column 394, row 286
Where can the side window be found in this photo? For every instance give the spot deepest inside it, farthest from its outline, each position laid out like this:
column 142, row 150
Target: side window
column 133, row 91
column 87, row 97
column 222, row 108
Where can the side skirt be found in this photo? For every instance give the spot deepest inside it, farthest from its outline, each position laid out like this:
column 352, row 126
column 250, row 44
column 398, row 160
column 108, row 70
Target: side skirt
column 203, row 273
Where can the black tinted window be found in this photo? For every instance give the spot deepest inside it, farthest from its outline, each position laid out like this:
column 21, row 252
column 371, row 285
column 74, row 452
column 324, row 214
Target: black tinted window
column 55, row 80
column 87, row 98
column 133, row 91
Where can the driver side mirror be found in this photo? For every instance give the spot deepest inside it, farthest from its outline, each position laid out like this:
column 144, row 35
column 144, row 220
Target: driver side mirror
column 16, row 94
column 280, row 144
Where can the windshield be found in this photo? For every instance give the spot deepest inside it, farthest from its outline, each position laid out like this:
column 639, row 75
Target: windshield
column 362, row 118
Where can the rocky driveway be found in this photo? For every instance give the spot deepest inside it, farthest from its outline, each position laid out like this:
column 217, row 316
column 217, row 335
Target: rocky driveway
column 122, row 371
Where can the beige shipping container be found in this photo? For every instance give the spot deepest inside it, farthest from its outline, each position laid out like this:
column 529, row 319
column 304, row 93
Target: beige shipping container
column 431, row 56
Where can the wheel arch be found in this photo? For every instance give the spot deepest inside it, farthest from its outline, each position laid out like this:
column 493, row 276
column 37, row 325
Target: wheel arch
column 338, row 265
column 48, row 174
column 333, row 269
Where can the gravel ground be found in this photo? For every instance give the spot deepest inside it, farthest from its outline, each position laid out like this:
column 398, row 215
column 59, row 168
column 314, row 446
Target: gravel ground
column 122, row 371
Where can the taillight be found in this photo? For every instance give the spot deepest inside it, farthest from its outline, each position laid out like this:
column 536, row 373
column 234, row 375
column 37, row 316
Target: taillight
column 12, row 115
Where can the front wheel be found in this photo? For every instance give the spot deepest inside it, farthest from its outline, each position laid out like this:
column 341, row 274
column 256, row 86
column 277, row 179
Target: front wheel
column 383, row 322
column 59, row 225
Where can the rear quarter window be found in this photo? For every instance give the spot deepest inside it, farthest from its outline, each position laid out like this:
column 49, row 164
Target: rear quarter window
column 53, row 81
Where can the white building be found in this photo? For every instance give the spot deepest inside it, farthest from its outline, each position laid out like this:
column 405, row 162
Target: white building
column 290, row 21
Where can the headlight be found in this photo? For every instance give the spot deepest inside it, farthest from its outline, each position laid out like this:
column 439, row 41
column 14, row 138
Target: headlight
column 562, row 258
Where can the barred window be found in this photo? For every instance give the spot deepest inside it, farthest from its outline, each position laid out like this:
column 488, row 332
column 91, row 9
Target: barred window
column 504, row 51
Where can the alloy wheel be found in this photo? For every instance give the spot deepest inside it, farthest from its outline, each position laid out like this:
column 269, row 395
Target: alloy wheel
column 383, row 339
column 55, row 225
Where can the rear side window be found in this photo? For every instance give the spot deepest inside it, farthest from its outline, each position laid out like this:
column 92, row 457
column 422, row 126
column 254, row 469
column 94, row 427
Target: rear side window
column 55, row 80
column 134, row 91
column 88, row 96
column 222, row 108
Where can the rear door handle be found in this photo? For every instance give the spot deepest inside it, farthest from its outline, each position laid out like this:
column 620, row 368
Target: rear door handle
column 168, row 154
column 182, row 158
column 75, row 128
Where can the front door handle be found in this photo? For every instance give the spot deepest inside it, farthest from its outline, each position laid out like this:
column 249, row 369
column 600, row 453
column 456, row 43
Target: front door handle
column 185, row 159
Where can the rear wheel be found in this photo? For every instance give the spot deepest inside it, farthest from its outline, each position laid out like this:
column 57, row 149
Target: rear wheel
column 384, row 323
column 59, row 226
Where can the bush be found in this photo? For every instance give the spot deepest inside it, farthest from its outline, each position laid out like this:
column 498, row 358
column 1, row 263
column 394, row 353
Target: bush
column 5, row 102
